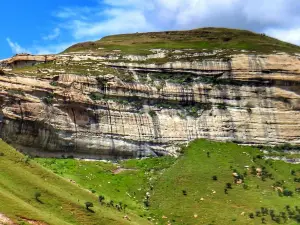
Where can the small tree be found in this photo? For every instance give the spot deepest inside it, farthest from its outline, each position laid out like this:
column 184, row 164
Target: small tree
column 101, row 198
column 125, row 206
column 226, row 191
column 111, row 203
column 89, row 205
column 287, row 192
column 215, row 177
column 208, row 154
column 184, row 192
column 251, row 215
column 228, row 185
column 37, row 196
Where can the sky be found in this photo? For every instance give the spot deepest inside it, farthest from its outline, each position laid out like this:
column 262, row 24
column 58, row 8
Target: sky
column 50, row 26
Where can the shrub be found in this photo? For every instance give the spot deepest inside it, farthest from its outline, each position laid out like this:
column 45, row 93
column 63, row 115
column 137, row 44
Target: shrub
column 251, row 215
column 152, row 113
column 228, row 185
column 54, row 83
column 222, row 106
column 96, row 96
column 287, row 192
column 214, row 177
column 208, row 154
column 37, row 195
column 1, row 154
column 88, row 205
column 184, row 192
column 48, row 100
column 101, row 198
column 293, row 172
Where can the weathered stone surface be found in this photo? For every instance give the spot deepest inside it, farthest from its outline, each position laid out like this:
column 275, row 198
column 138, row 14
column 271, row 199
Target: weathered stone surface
column 251, row 100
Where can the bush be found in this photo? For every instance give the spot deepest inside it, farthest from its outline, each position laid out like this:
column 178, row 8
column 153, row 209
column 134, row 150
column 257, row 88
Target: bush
column 152, row 113
column 184, row 192
column 37, row 195
column 215, row 177
column 1, row 154
column 222, row 106
column 54, row 83
column 88, row 205
column 228, row 185
column 96, row 96
column 287, row 192
column 101, row 198
column 49, row 99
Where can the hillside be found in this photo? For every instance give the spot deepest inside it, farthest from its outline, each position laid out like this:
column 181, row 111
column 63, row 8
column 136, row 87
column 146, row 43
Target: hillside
column 191, row 189
column 207, row 39
column 61, row 202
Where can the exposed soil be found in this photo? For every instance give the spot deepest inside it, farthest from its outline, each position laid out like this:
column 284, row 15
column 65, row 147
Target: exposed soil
column 5, row 220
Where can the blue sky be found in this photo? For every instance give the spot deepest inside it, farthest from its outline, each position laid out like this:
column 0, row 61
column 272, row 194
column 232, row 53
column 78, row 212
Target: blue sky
column 42, row 27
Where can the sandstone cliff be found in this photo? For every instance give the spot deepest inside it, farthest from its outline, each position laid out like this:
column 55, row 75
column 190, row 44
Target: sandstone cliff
column 113, row 105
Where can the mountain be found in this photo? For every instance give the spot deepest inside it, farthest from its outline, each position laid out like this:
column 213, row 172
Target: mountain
column 145, row 94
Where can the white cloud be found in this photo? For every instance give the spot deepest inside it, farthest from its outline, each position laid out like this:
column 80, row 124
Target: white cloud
column 54, row 34
column 51, row 49
column 120, row 21
column 16, row 48
column 289, row 35
column 111, row 17
column 277, row 18
column 39, row 49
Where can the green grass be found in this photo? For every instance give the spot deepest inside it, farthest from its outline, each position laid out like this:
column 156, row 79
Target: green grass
column 198, row 39
column 129, row 186
column 62, row 202
column 182, row 190
column 166, row 178
column 193, row 173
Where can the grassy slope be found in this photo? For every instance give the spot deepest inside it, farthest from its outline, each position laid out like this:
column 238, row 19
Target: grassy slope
column 199, row 39
column 128, row 187
column 191, row 172
column 62, row 201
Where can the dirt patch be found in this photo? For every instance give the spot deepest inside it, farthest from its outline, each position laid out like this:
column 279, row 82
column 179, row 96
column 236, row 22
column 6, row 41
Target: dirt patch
column 33, row 222
column 4, row 220
column 120, row 170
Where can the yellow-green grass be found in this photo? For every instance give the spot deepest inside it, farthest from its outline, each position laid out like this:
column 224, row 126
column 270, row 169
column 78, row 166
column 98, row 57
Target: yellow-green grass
column 128, row 185
column 61, row 202
column 198, row 39
column 166, row 178
column 193, row 173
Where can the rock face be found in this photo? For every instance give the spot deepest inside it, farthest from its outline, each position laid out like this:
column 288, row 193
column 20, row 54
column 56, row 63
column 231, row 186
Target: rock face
column 141, row 108
column 21, row 60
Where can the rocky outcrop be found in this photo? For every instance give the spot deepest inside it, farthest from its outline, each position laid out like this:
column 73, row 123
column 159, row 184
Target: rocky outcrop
column 21, row 60
column 249, row 99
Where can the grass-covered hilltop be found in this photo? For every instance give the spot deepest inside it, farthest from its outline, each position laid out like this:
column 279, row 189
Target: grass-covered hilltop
column 199, row 39
column 196, row 127
column 211, row 183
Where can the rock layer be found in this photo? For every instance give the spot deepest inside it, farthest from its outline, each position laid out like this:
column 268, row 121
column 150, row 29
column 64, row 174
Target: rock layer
column 249, row 99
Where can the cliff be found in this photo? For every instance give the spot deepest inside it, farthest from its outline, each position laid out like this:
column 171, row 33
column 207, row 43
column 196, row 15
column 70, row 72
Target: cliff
column 102, row 100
